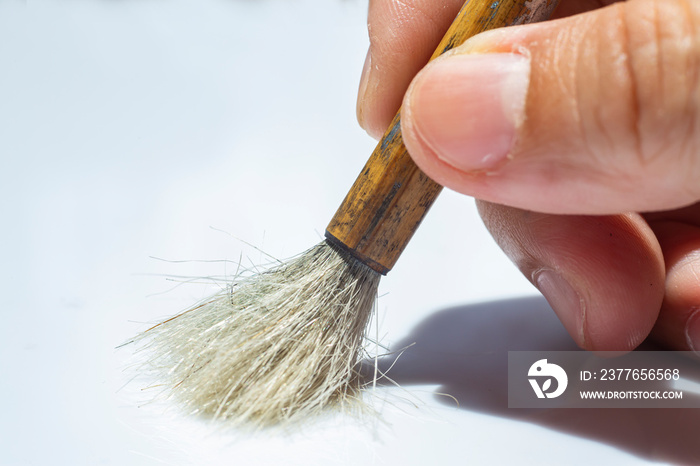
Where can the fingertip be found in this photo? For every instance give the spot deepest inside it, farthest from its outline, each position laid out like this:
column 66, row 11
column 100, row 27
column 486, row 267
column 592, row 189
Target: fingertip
column 602, row 275
column 361, row 108
column 374, row 111
column 678, row 326
column 464, row 109
column 566, row 302
column 692, row 330
column 403, row 35
column 620, row 275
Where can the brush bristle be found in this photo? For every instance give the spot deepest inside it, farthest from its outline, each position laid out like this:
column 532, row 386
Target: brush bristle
column 275, row 347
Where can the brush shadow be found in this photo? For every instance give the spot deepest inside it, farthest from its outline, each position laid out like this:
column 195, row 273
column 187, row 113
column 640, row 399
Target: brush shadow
column 465, row 350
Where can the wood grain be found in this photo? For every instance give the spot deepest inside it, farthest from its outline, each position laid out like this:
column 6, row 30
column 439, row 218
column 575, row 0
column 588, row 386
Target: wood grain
column 391, row 195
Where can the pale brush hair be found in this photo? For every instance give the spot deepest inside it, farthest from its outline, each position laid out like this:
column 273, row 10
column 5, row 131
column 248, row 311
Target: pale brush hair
column 274, row 347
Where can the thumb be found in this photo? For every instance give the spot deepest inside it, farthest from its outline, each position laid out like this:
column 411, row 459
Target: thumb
column 597, row 113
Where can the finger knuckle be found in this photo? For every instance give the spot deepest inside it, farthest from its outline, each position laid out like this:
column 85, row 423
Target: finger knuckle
column 663, row 71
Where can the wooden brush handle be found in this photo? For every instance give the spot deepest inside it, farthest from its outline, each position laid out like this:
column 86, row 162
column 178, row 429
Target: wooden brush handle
column 392, row 195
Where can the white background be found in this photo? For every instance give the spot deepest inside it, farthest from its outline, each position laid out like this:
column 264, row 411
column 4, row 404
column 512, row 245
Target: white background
column 127, row 130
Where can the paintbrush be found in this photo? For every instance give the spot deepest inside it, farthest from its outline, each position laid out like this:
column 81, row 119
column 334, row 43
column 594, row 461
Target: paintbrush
column 284, row 344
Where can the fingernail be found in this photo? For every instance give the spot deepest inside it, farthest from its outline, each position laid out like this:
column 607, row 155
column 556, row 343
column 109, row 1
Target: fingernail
column 364, row 79
column 565, row 301
column 467, row 108
column 692, row 331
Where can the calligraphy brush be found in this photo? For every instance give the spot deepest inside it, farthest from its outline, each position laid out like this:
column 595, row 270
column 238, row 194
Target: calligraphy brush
column 283, row 344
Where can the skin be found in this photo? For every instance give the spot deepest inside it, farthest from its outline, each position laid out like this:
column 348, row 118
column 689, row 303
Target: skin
column 596, row 197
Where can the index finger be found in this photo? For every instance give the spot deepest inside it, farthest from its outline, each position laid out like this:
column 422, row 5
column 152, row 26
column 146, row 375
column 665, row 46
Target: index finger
column 403, row 35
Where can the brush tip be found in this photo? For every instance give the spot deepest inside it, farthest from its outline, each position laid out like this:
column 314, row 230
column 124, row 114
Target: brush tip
column 274, row 347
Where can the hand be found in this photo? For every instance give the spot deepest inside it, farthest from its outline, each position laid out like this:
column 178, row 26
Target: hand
column 565, row 131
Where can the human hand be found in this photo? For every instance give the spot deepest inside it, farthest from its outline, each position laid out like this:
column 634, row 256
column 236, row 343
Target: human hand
column 565, row 131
